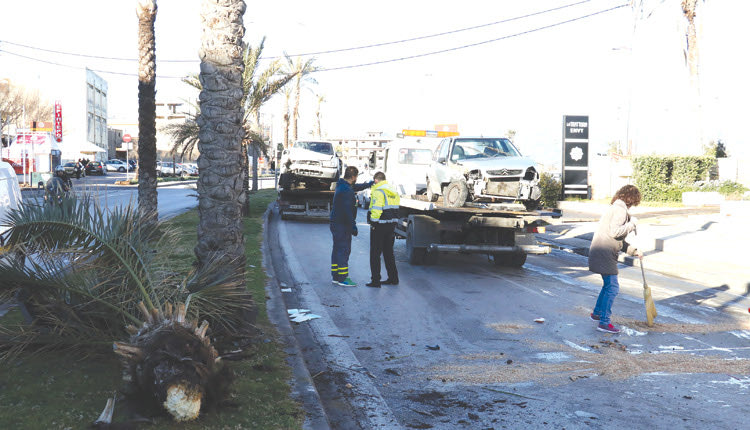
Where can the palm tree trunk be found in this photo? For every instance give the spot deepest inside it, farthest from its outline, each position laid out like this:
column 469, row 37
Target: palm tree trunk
column 220, row 186
column 245, row 197
column 256, row 119
column 147, row 196
column 295, row 113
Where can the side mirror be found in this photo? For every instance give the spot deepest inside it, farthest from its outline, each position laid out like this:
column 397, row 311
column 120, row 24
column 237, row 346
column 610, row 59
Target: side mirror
column 441, row 160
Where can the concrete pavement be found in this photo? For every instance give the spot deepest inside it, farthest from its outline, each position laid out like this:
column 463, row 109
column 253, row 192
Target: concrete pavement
column 702, row 244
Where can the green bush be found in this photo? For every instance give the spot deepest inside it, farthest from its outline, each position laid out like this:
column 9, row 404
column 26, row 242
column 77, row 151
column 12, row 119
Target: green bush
column 551, row 189
column 665, row 178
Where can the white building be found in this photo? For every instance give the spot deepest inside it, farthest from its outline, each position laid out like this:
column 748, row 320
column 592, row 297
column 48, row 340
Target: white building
column 356, row 150
column 83, row 96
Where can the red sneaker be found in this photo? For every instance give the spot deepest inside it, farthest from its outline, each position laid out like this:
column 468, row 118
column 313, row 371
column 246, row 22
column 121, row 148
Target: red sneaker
column 595, row 318
column 609, row 328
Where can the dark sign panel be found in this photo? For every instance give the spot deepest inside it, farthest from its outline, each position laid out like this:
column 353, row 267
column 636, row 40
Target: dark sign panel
column 576, row 127
column 575, row 155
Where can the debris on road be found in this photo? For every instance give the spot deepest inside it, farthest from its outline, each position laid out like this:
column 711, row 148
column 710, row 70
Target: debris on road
column 301, row 315
column 539, row 320
column 286, row 290
column 432, row 348
column 509, row 327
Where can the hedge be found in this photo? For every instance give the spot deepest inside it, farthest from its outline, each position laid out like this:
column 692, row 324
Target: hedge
column 665, row 178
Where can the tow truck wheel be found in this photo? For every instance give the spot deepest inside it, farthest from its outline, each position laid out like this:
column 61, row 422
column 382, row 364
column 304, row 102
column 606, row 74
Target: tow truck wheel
column 509, row 259
column 416, row 255
column 455, row 194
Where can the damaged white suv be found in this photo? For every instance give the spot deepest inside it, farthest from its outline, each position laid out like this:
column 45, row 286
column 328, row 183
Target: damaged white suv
column 314, row 163
column 475, row 169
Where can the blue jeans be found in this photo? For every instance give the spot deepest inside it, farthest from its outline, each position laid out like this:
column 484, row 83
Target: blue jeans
column 606, row 298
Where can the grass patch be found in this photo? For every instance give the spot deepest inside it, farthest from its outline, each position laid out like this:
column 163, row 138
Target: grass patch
column 61, row 391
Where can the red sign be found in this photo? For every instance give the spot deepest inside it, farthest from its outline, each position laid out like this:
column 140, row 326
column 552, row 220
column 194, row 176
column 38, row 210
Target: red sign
column 32, row 139
column 126, row 138
column 58, row 121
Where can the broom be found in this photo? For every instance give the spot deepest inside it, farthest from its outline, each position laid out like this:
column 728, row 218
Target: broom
column 648, row 300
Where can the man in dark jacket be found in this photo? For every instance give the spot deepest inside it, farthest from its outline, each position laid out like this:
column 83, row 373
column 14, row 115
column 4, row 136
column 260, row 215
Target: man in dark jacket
column 344, row 225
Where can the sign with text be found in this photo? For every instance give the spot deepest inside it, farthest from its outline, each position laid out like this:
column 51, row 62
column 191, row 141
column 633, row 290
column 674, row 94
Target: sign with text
column 58, row 121
column 575, row 160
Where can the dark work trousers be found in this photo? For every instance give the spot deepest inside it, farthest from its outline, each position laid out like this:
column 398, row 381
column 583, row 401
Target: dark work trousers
column 342, row 247
column 381, row 242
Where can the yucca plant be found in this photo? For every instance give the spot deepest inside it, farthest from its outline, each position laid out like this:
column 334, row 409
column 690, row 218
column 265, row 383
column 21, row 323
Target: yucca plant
column 85, row 277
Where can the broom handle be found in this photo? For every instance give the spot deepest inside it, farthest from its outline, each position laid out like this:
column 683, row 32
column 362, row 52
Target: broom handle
column 643, row 273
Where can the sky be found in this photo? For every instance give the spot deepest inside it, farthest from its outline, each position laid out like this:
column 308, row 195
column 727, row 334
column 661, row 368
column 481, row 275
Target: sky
column 519, row 75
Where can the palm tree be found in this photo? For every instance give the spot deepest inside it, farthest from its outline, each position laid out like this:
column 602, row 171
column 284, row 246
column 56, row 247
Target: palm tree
column 91, row 278
column 258, row 87
column 302, row 69
column 321, row 99
column 287, row 118
column 220, row 137
column 147, row 197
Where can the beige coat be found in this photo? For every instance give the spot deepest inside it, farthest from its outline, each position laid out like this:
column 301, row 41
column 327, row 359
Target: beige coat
column 609, row 239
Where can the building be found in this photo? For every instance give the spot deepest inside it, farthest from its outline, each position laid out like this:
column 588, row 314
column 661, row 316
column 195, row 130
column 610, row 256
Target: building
column 83, row 99
column 357, row 150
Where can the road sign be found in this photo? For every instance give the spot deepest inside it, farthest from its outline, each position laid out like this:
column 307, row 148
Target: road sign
column 126, row 138
column 575, row 163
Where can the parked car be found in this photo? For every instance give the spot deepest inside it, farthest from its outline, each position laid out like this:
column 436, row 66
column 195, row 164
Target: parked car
column 10, row 194
column 96, row 168
column 313, row 162
column 471, row 169
column 190, row 169
column 70, row 168
column 167, row 168
column 115, row 165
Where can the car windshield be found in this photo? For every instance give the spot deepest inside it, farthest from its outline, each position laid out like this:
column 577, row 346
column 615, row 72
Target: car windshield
column 71, row 164
column 414, row 156
column 483, row 148
column 321, row 147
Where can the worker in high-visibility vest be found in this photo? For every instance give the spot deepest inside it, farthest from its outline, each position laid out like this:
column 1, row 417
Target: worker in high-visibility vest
column 383, row 216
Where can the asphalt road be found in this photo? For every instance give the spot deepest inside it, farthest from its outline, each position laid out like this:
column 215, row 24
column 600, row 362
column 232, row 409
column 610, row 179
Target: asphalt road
column 455, row 345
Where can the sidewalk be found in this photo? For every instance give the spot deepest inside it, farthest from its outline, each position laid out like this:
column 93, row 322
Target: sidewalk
column 701, row 244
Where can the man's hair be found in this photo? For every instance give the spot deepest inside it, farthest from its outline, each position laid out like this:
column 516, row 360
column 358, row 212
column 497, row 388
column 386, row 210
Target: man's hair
column 628, row 194
column 351, row 172
column 380, row 176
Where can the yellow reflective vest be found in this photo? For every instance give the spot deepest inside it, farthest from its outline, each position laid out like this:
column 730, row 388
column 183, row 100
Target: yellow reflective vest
column 384, row 202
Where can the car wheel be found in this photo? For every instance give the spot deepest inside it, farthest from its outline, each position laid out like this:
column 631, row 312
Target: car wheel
column 121, row 170
column 431, row 197
column 455, row 194
column 531, row 205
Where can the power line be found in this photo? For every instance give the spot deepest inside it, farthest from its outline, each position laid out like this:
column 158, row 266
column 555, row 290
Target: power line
column 392, row 60
column 362, row 64
column 459, row 30
column 330, row 51
column 82, row 68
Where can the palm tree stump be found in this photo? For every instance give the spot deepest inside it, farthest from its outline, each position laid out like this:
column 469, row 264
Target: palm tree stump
column 171, row 363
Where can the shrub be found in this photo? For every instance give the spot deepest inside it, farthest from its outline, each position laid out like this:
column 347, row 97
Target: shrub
column 665, row 178
column 551, row 189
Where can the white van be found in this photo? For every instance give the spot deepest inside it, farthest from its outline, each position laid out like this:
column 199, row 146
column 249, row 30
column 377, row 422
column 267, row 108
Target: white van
column 406, row 162
column 10, row 193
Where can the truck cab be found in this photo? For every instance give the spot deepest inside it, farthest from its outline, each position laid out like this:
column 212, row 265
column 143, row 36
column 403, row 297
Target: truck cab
column 406, row 162
column 482, row 169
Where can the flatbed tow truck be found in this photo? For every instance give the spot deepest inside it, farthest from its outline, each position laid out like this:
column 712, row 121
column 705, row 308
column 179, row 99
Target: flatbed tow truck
column 305, row 203
column 503, row 231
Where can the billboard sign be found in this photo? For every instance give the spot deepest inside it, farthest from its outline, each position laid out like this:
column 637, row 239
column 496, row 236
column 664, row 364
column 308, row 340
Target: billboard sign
column 575, row 160
column 58, row 121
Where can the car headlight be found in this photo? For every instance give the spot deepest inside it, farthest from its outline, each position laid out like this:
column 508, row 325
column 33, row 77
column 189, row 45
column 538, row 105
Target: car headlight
column 330, row 163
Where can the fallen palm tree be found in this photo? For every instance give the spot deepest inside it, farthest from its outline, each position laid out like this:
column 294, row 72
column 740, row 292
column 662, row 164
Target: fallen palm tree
column 86, row 278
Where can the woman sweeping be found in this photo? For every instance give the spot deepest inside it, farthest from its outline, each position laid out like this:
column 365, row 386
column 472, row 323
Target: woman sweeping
column 609, row 240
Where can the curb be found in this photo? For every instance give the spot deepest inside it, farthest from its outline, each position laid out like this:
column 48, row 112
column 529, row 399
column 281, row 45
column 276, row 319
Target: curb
column 302, row 383
column 367, row 404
